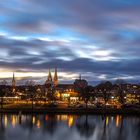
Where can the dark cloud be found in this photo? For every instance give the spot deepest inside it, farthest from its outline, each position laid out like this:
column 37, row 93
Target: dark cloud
column 70, row 34
column 79, row 64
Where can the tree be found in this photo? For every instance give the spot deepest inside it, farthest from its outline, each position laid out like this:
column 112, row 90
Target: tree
column 2, row 91
column 31, row 89
column 80, row 85
column 49, row 91
column 87, row 92
column 105, row 88
column 121, row 93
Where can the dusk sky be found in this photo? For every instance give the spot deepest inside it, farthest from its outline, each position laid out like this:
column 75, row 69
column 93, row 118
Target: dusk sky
column 99, row 39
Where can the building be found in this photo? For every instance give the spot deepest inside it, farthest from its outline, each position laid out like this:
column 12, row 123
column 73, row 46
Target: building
column 64, row 92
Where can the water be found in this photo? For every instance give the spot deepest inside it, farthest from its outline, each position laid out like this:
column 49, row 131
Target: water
column 69, row 127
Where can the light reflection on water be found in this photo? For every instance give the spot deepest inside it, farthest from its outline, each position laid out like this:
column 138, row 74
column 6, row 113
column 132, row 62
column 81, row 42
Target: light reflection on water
column 36, row 127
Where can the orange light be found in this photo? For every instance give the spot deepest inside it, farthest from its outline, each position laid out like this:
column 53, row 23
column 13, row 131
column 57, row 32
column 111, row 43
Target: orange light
column 70, row 121
column 64, row 117
column 46, row 117
column 14, row 121
column 38, row 124
column 33, row 120
column 117, row 120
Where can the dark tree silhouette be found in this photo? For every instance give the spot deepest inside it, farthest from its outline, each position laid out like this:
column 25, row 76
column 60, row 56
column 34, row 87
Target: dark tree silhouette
column 87, row 93
column 105, row 88
column 49, row 89
column 121, row 93
column 31, row 90
column 80, row 85
column 2, row 91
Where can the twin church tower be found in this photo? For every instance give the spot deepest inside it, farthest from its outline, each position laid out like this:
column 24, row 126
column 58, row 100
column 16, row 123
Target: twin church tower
column 53, row 81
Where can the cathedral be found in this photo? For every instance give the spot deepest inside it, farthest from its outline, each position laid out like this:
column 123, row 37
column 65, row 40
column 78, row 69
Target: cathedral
column 50, row 80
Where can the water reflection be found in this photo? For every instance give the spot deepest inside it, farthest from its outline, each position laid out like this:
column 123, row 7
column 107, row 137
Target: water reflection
column 70, row 121
column 69, row 127
column 14, row 120
column 85, row 127
column 33, row 119
column 5, row 121
column 38, row 124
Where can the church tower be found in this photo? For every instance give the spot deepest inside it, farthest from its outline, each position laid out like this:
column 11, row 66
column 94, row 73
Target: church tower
column 13, row 84
column 55, row 77
column 49, row 76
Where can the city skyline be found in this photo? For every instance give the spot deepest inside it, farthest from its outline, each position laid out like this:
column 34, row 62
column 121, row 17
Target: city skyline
column 21, row 79
column 98, row 40
column 55, row 75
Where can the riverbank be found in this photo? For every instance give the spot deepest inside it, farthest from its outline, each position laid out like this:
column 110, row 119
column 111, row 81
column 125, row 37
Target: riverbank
column 72, row 111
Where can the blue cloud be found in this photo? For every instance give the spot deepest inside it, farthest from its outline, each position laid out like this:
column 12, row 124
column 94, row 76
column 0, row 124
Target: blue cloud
column 79, row 36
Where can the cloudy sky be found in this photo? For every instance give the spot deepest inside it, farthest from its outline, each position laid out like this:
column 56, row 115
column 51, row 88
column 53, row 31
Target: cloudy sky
column 97, row 38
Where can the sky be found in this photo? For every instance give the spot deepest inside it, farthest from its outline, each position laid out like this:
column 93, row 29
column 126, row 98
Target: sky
column 95, row 38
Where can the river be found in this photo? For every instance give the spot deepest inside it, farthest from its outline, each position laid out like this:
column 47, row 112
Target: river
column 69, row 127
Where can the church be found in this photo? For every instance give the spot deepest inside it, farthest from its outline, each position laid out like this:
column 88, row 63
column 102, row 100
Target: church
column 64, row 92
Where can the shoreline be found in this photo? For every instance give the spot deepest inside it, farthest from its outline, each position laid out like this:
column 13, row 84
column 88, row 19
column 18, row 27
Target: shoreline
column 72, row 111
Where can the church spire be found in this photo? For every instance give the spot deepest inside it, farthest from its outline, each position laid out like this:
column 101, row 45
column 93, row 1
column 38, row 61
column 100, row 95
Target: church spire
column 13, row 80
column 49, row 76
column 55, row 77
column 13, row 83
